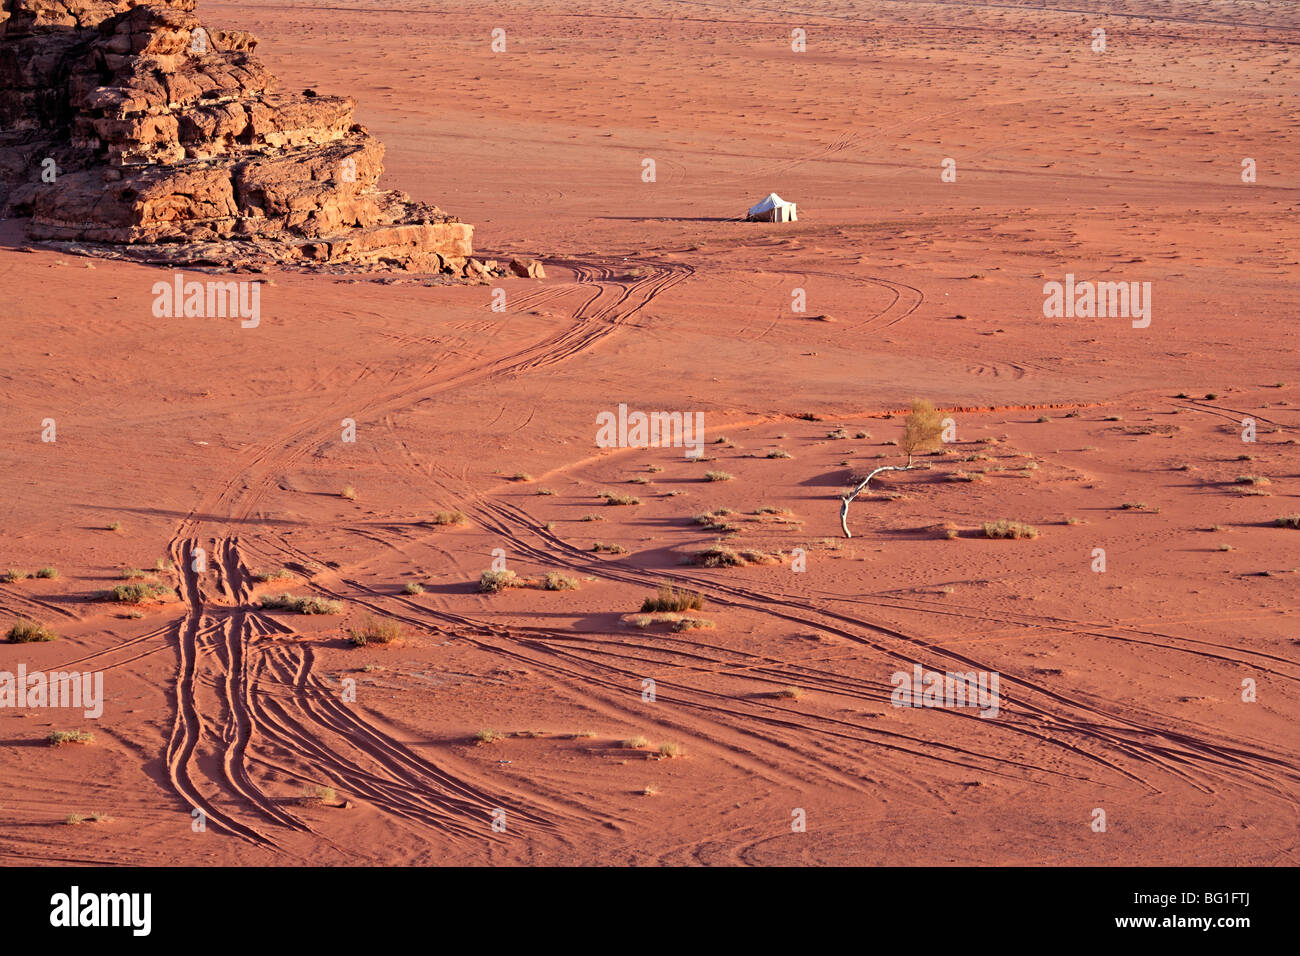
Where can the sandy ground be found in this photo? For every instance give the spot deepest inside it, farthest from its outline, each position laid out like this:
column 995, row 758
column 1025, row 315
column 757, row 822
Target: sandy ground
column 1120, row 691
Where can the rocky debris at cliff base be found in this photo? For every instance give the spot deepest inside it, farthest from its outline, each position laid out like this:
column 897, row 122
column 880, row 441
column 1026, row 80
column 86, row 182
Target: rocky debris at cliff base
column 527, row 268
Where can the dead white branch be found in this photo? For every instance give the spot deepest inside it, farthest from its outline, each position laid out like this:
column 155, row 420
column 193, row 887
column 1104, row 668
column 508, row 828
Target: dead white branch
column 847, row 499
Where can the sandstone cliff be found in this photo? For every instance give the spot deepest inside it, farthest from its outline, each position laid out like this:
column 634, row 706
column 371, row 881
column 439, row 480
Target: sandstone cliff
column 128, row 128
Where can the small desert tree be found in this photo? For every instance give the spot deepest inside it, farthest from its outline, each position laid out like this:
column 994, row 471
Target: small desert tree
column 922, row 431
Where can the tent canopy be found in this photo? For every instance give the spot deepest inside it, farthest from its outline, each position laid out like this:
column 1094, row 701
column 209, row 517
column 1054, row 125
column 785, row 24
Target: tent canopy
column 773, row 209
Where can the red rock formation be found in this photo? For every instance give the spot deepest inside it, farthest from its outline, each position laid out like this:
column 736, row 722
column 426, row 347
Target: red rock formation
column 128, row 128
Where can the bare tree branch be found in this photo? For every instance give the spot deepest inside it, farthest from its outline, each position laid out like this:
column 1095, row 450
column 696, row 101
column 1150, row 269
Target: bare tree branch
column 847, row 499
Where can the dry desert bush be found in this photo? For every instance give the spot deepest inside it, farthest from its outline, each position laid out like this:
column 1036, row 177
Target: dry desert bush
column 1009, row 529
column 669, row 598
column 30, row 632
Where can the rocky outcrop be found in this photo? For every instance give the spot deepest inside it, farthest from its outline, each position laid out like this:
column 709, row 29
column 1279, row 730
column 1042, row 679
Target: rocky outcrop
column 128, row 128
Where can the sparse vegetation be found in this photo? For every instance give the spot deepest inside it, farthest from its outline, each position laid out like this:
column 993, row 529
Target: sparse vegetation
column 312, row 793
column 717, row 556
column 59, row 738
column 373, row 630
column 612, row 498
column 670, row 750
column 13, row 574
column 76, row 819
column 139, row 593
column 718, row 476
column 1009, row 529
column 413, row 587
column 778, row 453
column 693, row 624
column 789, row 693
column 488, row 736
column 448, row 518
column 555, row 581
column 634, row 743
column 1288, row 521
column 25, row 631
column 47, row 573
column 669, row 598
column 491, row 582
column 601, row 547
column 301, row 605
column 349, row 493
column 712, row 522
column 279, row 574
column 1252, row 480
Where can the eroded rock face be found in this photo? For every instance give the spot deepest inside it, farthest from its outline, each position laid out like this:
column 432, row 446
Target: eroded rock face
column 128, row 128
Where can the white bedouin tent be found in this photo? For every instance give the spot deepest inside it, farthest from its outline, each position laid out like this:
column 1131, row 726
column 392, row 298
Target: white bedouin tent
column 773, row 209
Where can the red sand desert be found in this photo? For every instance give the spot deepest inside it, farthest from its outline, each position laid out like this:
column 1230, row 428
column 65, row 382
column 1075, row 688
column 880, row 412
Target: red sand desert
column 1157, row 691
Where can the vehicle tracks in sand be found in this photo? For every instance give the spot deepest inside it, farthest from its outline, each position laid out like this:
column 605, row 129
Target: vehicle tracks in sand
column 1101, row 733
column 241, row 686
